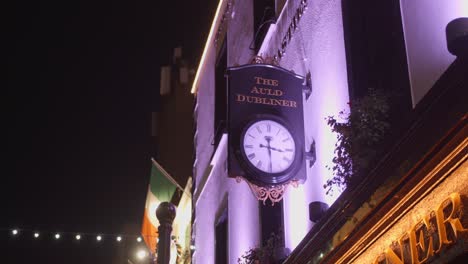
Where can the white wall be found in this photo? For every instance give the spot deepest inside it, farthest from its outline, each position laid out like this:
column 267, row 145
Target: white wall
column 220, row 191
column 424, row 23
column 316, row 46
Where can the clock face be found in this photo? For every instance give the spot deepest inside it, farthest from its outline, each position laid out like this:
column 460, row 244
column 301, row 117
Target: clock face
column 269, row 146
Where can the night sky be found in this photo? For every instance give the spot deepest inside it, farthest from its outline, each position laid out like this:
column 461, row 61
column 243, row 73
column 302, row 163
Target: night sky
column 82, row 80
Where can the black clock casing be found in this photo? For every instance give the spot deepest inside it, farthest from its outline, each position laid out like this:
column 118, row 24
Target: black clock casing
column 280, row 100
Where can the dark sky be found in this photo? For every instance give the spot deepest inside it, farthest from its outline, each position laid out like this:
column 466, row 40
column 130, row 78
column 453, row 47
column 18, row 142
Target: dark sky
column 82, row 80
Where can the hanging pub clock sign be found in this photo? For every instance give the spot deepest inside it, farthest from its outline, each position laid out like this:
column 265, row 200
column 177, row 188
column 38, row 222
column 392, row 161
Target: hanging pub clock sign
column 266, row 128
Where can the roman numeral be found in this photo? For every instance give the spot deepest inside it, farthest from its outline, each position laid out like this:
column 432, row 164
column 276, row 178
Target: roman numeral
column 286, row 159
column 268, row 128
column 259, row 164
column 288, row 138
column 259, row 130
column 251, row 155
column 289, row 150
column 248, row 146
column 251, row 136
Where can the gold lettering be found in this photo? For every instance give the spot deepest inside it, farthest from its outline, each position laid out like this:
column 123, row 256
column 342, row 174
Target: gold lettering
column 254, row 90
column 451, row 220
column 418, row 235
column 264, row 81
column 392, row 258
column 265, row 101
column 266, row 91
column 240, row 98
column 277, row 102
column 257, row 80
column 379, row 260
column 421, row 242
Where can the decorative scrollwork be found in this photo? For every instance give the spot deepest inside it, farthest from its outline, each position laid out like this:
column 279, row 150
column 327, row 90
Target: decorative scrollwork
column 274, row 193
column 259, row 59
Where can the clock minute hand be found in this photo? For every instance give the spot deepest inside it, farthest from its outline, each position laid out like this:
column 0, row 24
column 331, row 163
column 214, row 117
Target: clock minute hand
column 275, row 149
column 268, row 139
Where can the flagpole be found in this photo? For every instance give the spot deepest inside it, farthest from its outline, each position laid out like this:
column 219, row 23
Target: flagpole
column 164, row 172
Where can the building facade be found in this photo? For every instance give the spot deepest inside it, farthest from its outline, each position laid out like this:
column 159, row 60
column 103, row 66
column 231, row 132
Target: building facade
column 342, row 49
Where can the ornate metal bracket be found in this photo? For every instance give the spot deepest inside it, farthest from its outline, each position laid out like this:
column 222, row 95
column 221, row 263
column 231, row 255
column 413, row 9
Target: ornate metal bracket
column 307, row 90
column 259, row 59
column 311, row 154
column 274, row 193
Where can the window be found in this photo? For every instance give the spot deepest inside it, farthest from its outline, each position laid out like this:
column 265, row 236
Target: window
column 220, row 94
column 375, row 52
column 264, row 15
column 271, row 219
column 221, row 236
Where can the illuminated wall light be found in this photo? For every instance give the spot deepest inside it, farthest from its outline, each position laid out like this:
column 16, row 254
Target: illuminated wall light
column 119, row 238
column 192, row 247
column 99, row 238
column 78, row 237
column 36, row 235
column 14, row 232
column 57, row 236
column 138, row 239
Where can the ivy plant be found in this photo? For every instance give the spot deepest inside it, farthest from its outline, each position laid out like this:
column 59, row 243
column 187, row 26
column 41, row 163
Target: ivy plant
column 359, row 136
column 264, row 254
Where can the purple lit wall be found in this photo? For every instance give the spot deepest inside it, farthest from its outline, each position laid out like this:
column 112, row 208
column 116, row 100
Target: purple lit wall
column 424, row 23
column 214, row 191
column 244, row 233
column 317, row 45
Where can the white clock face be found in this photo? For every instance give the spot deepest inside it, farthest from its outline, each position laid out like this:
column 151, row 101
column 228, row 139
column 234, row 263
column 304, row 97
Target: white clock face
column 269, row 146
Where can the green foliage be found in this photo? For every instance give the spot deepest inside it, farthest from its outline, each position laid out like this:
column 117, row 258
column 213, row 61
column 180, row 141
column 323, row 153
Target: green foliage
column 264, row 254
column 359, row 138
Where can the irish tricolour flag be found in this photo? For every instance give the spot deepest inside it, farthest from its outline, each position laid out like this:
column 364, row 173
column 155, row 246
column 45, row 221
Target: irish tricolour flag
column 160, row 189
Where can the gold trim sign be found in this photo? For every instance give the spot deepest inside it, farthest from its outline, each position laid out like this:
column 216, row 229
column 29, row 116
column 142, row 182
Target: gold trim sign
column 442, row 227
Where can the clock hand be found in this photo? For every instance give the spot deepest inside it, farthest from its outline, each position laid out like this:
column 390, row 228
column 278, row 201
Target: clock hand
column 270, row 147
column 268, row 139
column 275, row 149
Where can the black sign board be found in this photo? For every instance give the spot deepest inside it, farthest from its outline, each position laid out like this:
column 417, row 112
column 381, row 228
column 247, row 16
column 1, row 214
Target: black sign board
column 265, row 124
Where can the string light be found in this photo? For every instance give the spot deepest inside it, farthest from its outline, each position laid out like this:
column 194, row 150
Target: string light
column 36, row 234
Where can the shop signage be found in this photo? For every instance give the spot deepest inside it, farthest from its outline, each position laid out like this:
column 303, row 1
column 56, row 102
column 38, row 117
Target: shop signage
column 265, row 124
column 440, row 228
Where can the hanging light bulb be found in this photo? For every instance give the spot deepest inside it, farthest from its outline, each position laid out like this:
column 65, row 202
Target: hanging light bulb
column 138, row 239
column 119, row 238
column 57, row 236
column 78, row 237
column 14, row 232
column 36, row 235
column 99, row 238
